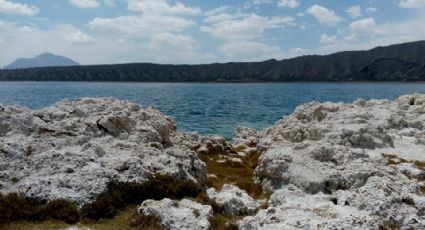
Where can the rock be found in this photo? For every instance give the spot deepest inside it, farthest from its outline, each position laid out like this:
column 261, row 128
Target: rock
column 326, row 168
column 233, row 200
column 291, row 208
column 212, row 144
column 74, row 149
column 184, row 214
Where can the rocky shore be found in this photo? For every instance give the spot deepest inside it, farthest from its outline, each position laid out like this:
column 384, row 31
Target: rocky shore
column 325, row 166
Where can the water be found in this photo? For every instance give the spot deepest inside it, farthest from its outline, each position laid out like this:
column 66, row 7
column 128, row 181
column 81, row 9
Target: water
column 208, row 108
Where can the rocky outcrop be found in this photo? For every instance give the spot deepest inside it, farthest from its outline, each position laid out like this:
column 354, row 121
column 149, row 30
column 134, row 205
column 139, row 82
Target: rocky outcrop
column 74, row 149
column 233, row 200
column 327, row 166
column 176, row 215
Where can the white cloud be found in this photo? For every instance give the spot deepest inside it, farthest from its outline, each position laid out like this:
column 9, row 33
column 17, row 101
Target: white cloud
column 250, row 50
column 142, row 26
column 173, row 42
column 350, row 38
column 371, row 9
column 71, row 42
column 366, row 25
column 368, row 34
column 288, row 3
column 161, row 7
column 8, row 7
column 85, row 3
column 26, row 29
column 109, row 2
column 79, row 37
column 324, row 38
column 221, row 17
column 411, row 3
column 324, row 15
column 249, row 27
column 172, row 48
column 259, row 2
column 295, row 52
column 354, row 11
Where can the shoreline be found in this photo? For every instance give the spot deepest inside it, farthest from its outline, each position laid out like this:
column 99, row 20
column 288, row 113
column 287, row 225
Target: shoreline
column 332, row 157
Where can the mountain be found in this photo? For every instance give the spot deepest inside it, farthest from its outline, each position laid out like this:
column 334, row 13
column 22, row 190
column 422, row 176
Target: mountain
column 401, row 62
column 42, row 60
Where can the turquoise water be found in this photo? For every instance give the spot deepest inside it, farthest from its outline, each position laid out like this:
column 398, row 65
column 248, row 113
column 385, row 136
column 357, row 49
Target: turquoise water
column 208, row 108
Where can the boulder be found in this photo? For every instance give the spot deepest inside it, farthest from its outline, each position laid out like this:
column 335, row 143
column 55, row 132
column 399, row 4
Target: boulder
column 176, row 215
column 233, row 200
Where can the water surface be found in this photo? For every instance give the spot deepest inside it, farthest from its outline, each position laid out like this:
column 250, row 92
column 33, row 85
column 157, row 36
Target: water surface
column 208, row 108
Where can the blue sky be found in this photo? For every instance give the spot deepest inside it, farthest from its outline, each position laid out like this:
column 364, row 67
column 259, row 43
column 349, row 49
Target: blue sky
column 200, row 31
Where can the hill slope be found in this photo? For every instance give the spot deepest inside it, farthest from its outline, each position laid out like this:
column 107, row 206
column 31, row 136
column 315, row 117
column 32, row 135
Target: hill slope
column 42, row 60
column 401, row 62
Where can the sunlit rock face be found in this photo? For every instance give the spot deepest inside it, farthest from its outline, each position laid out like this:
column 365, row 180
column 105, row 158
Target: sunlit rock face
column 74, row 149
column 327, row 165
column 176, row 215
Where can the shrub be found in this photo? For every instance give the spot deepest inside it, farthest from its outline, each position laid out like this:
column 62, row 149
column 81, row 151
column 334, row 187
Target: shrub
column 120, row 195
column 221, row 222
column 14, row 207
column 146, row 222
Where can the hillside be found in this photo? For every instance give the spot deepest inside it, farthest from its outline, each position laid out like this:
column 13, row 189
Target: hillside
column 401, row 62
column 42, row 60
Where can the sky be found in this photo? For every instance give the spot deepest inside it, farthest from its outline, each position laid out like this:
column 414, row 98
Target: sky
column 202, row 31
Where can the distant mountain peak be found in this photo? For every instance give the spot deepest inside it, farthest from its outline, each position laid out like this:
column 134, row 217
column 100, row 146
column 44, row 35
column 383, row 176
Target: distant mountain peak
column 42, row 60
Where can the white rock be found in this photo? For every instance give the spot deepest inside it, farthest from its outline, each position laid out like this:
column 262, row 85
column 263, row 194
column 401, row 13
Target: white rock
column 326, row 153
column 73, row 149
column 233, row 200
column 184, row 214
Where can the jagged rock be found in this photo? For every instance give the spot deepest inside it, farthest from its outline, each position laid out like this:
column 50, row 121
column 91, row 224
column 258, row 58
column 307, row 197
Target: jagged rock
column 327, row 168
column 184, row 214
column 291, row 208
column 212, row 144
column 73, row 149
column 233, row 200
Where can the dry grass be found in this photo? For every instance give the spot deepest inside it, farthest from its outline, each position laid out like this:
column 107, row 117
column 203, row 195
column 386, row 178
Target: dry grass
column 240, row 174
column 121, row 195
column 230, row 172
column 223, row 222
column 116, row 208
column 109, row 211
column 125, row 220
column 18, row 207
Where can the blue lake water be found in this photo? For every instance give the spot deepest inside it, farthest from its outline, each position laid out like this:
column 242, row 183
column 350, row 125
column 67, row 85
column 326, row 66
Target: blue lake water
column 208, row 108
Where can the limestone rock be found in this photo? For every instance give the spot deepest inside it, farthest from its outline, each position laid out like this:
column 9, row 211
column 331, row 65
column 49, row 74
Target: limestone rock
column 184, row 214
column 327, row 168
column 74, row 149
column 233, row 200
